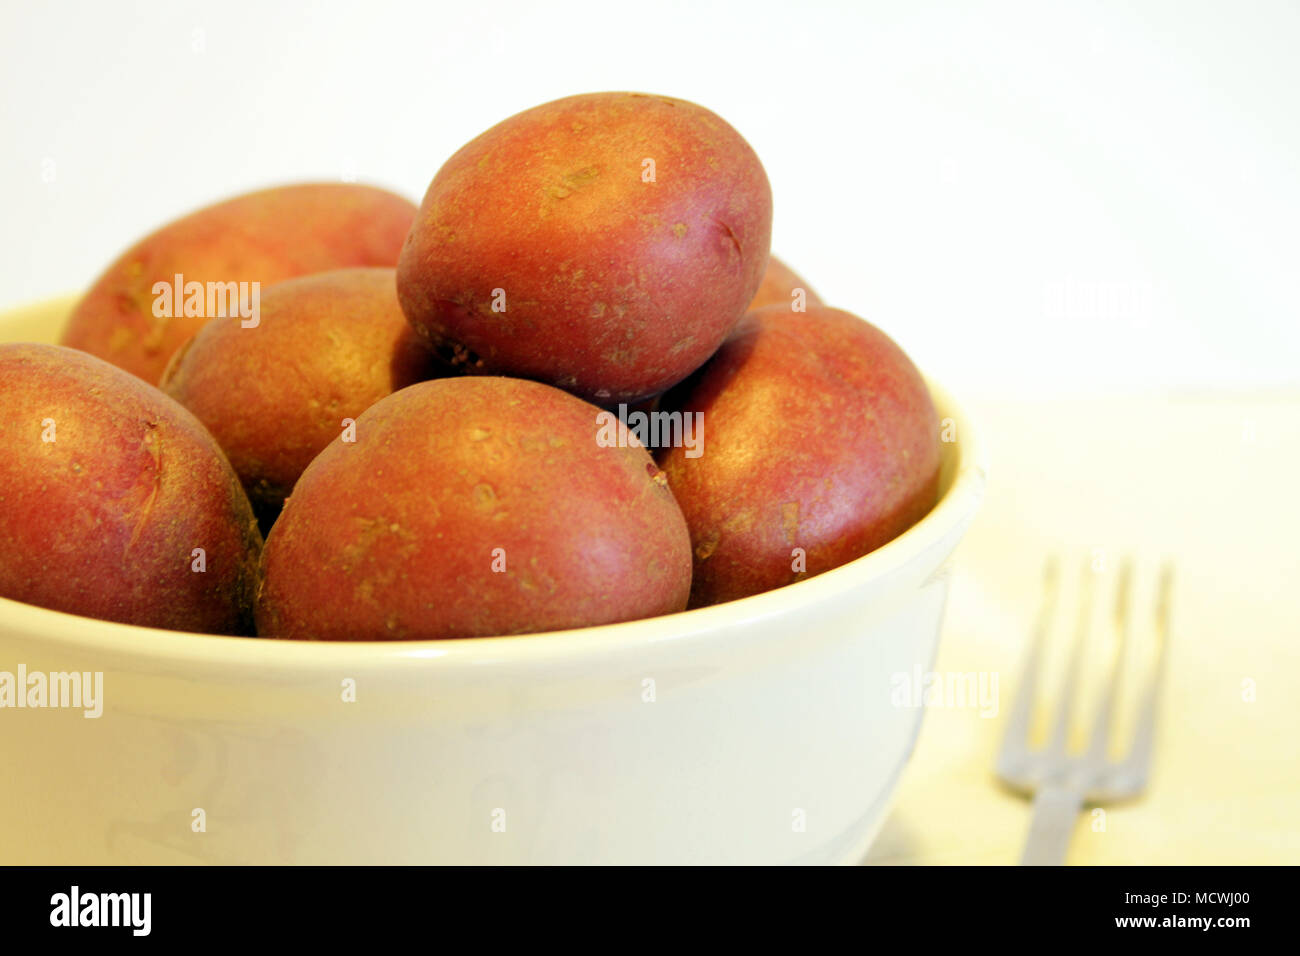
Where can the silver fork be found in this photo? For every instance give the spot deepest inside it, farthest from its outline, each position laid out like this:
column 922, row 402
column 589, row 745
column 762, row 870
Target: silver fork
column 1061, row 782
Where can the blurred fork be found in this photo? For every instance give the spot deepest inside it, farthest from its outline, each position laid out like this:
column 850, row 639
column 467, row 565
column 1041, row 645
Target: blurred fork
column 1062, row 782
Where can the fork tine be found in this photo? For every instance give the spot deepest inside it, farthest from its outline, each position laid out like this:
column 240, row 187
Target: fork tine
column 1138, row 761
column 1015, row 739
column 1061, row 728
column 1101, row 733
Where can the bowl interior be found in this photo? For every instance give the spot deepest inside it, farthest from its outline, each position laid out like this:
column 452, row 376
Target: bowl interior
column 961, row 488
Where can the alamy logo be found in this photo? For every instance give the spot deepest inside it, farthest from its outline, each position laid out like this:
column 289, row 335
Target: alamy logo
column 950, row 689
column 60, row 689
column 102, row 909
column 651, row 430
column 213, row 300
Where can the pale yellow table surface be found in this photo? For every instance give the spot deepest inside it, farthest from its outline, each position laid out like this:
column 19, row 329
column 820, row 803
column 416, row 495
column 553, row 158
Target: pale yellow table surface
column 1209, row 481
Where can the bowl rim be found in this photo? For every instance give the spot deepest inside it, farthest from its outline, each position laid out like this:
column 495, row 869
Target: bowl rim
column 134, row 643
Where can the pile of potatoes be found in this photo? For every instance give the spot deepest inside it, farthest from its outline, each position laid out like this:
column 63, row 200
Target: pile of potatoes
column 415, row 410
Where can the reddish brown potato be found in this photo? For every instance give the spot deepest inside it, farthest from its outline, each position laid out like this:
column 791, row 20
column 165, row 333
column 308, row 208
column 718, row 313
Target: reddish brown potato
column 258, row 237
column 326, row 348
column 604, row 243
column 114, row 501
column 473, row 506
column 779, row 284
column 819, row 435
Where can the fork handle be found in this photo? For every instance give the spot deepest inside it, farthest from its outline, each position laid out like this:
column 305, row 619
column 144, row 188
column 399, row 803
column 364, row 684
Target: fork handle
column 1056, row 810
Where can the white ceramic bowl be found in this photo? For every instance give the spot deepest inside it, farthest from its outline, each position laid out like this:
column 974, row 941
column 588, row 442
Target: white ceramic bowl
column 760, row 731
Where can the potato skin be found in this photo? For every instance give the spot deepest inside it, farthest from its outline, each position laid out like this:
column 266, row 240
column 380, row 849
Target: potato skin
column 614, row 288
column 102, row 521
column 394, row 537
column 328, row 346
column 819, row 433
column 262, row 236
column 779, row 281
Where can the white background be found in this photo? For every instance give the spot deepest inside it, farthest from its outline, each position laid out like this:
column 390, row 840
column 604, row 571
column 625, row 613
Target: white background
column 1032, row 198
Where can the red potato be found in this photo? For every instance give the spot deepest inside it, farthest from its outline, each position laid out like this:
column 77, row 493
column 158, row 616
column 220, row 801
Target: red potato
column 605, row 244
column 821, row 443
column 258, row 237
column 327, row 347
column 473, row 506
column 114, row 501
column 779, row 284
